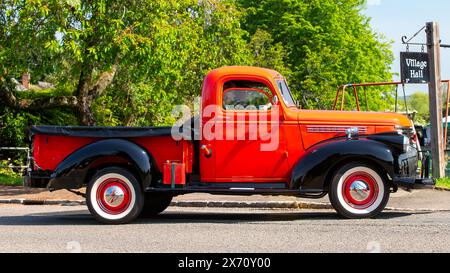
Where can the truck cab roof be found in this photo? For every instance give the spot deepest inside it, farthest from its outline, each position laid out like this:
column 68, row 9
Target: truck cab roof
column 244, row 71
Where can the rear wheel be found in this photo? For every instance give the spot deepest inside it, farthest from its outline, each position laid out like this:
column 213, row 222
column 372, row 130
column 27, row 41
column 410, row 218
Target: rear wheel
column 114, row 196
column 155, row 203
column 359, row 191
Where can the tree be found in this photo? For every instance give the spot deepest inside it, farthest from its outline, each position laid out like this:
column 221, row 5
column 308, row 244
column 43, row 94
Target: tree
column 328, row 43
column 156, row 45
column 420, row 103
column 265, row 53
column 83, row 40
column 127, row 63
column 188, row 42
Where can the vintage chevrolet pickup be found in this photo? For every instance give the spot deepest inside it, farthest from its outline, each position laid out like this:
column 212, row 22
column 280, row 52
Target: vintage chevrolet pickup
column 249, row 138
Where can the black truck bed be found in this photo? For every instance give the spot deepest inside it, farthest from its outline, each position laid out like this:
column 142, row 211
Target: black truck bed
column 102, row 132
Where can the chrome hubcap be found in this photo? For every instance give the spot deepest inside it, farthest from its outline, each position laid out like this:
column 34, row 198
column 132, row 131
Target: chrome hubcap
column 360, row 190
column 114, row 196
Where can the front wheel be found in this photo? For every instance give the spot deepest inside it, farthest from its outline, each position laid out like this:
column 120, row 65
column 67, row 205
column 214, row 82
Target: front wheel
column 359, row 191
column 114, row 196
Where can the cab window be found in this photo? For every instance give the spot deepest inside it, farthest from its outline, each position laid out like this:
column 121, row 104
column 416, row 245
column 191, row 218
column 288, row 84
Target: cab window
column 246, row 99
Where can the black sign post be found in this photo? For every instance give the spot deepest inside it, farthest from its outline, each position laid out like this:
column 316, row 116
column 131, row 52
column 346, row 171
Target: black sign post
column 414, row 67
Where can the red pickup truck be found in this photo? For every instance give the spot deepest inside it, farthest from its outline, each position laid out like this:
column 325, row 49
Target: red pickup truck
column 250, row 138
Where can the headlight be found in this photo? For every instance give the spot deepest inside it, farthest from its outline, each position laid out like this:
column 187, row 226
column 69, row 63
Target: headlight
column 407, row 131
column 410, row 133
column 406, row 144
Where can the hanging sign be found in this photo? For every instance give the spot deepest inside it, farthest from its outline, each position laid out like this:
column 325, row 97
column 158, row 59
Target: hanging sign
column 414, row 67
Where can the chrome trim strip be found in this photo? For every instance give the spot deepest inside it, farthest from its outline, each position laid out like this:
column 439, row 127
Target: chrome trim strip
column 334, row 129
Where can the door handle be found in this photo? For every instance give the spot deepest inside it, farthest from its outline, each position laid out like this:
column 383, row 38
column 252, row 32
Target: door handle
column 207, row 151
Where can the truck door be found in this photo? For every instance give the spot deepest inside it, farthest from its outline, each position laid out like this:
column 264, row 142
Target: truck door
column 249, row 144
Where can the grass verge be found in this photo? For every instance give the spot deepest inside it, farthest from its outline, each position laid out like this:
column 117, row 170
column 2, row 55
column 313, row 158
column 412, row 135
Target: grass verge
column 443, row 183
column 6, row 180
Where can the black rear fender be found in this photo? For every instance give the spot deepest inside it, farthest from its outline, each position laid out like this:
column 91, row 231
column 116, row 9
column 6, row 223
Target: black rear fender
column 74, row 171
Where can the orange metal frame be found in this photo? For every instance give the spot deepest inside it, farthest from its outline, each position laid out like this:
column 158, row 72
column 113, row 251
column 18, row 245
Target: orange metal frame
column 342, row 88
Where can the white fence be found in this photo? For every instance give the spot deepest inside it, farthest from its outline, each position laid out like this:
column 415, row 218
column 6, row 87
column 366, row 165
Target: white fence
column 18, row 149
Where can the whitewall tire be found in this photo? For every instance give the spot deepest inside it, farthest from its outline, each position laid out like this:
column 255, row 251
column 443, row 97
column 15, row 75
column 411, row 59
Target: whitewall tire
column 359, row 191
column 114, row 196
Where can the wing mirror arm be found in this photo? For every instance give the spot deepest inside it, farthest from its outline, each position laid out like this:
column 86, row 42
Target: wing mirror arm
column 275, row 100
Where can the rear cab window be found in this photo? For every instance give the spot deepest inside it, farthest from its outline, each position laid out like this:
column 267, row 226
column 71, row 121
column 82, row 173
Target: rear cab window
column 243, row 95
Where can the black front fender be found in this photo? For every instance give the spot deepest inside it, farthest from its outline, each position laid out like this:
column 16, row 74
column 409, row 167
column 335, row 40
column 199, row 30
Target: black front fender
column 72, row 172
column 314, row 168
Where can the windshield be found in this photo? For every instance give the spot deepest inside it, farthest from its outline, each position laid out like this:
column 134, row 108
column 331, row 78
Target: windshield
column 286, row 93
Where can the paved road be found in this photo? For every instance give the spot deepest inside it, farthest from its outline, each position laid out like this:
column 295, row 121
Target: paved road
column 72, row 229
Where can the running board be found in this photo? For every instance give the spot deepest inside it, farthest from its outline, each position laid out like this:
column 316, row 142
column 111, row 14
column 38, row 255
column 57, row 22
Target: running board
column 314, row 194
column 413, row 183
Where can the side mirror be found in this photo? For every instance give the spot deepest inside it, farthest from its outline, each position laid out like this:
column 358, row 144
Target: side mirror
column 275, row 100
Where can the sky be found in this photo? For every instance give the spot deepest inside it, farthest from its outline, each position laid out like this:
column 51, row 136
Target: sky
column 397, row 18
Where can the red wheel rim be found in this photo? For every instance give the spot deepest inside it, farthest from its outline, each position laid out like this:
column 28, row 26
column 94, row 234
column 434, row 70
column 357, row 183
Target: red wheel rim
column 360, row 190
column 113, row 196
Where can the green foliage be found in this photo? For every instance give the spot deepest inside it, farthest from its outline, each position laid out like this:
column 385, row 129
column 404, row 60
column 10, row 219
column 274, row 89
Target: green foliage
column 420, row 102
column 328, row 43
column 8, row 176
column 15, row 131
column 164, row 48
column 443, row 183
column 188, row 40
column 14, row 124
column 266, row 53
column 7, row 180
column 140, row 106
